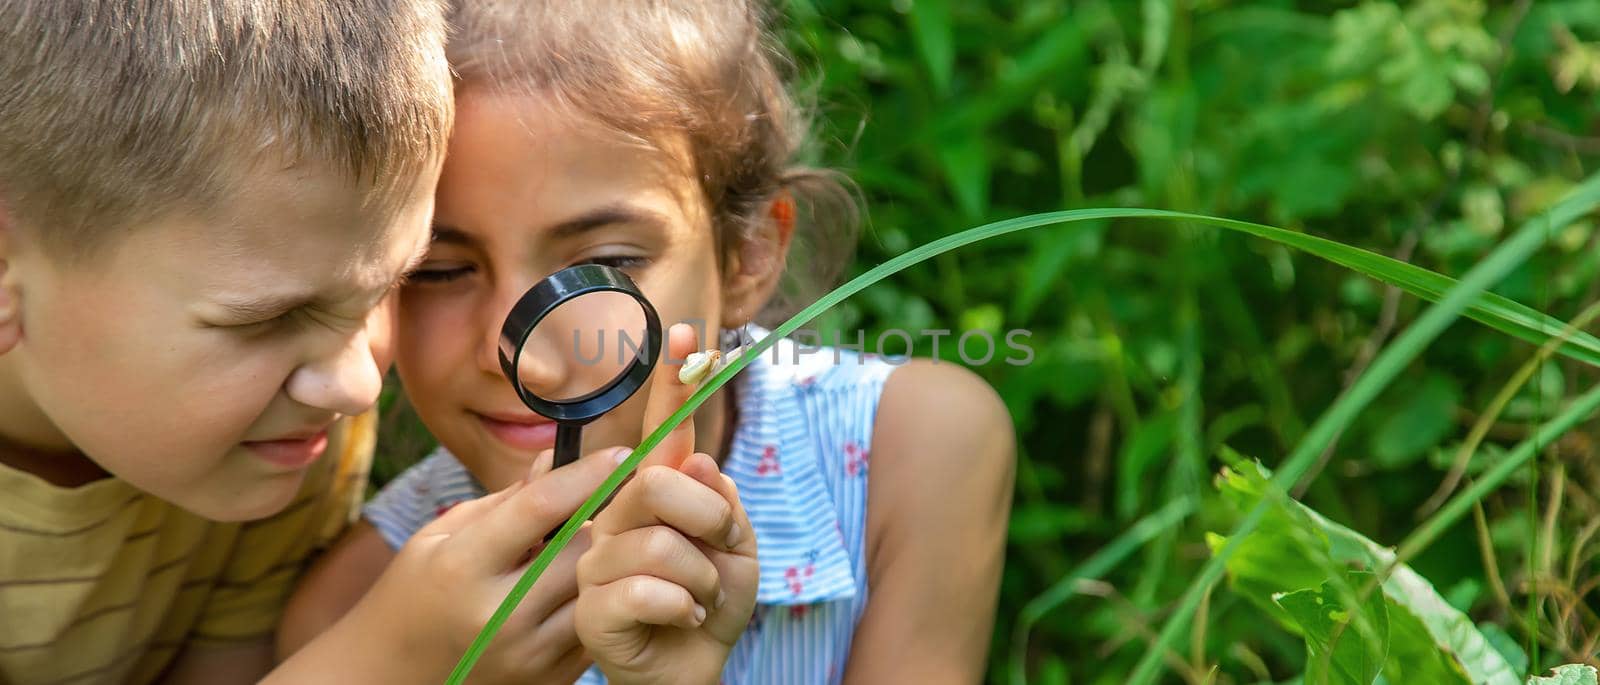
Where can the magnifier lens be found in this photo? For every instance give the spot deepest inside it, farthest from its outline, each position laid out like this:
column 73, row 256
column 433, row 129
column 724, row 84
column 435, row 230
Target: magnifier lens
column 583, row 346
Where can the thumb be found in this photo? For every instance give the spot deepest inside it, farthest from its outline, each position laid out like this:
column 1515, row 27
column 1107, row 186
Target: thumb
column 503, row 534
column 541, row 464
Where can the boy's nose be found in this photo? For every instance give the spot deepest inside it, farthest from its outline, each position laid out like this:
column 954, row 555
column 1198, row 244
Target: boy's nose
column 347, row 381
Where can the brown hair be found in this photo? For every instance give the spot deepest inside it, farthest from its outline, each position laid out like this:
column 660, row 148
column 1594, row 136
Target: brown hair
column 707, row 70
column 114, row 112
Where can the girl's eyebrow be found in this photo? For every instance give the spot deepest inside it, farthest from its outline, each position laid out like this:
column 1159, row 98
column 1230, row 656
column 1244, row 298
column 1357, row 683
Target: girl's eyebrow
column 450, row 235
column 606, row 215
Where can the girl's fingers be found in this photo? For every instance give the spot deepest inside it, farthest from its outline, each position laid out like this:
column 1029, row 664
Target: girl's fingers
column 659, row 495
column 738, row 574
column 542, row 463
column 501, row 538
column 667, row 393
column 466, row 514
column 702, row 468
column 654, row 551
column 546, row 643
column 616, row 609
column 559, row 582
column 561, row 629
column 550, row 631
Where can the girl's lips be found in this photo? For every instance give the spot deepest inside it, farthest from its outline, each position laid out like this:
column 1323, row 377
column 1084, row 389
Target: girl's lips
column 526, row 435
column 296, row 453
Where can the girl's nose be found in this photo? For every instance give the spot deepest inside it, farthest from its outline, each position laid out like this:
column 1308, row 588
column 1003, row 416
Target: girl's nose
column 539, row 368
column 542, row 369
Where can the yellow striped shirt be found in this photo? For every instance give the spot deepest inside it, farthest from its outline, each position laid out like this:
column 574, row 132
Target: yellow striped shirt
column 104, row 583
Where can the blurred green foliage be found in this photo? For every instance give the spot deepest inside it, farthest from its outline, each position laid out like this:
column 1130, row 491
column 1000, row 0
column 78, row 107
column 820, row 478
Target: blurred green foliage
column 1422, row 130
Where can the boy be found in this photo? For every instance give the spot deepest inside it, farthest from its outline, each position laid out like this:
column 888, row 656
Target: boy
column 202, row 206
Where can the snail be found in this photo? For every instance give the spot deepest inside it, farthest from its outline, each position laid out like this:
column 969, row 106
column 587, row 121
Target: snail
column 699, row 365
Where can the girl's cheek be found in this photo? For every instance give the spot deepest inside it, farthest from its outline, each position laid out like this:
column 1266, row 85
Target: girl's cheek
column 426, row 336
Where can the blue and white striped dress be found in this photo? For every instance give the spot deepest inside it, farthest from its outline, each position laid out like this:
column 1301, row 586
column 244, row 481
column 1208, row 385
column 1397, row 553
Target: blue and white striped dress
column 799, row 456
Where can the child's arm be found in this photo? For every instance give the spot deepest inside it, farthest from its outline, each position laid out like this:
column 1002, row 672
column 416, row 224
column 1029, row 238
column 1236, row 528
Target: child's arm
column 333, row 586
column 943, row 457
column 205, row 665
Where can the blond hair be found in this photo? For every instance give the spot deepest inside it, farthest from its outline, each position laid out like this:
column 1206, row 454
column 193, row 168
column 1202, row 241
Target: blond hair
column 706, row 70
column 114, row 112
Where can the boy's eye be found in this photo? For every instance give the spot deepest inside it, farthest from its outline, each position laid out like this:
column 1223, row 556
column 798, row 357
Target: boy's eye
column 264, row 325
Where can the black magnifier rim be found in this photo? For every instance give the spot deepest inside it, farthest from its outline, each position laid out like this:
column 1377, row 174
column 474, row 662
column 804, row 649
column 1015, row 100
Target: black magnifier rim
column 552, row 292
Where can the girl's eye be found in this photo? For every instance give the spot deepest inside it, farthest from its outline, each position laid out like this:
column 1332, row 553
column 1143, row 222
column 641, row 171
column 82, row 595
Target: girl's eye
column 618, row 262
column 438, row 274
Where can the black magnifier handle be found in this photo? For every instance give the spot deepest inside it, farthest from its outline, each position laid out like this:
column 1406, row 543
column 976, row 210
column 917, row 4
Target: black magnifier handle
column 568, row 437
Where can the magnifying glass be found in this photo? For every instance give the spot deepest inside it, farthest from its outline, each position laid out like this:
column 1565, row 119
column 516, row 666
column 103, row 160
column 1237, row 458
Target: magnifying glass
column 578, row 344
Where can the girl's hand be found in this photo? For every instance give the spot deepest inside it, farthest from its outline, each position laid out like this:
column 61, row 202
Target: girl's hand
column 669, row 582
column 451, row 576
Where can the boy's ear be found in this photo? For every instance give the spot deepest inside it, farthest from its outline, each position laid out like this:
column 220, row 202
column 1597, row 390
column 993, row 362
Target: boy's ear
column 10, row 298
column 756, row 267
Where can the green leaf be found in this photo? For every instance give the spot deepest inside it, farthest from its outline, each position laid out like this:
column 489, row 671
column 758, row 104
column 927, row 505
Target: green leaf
column 1424, row 88
column 966, row 168
column 1286, row 553
column 1418, row 424
column 1054, row 671
column 1571, row 674
column 1046, row 523
column 1361, row 35
column 1415, row 657
column 1295, row 548
column 1363, row 636
column 1470, row 77
column 1049, row 256
column 1506, row 645
column 930, row 24
column 1431, row 642
column 1140, row 452
column 1310, row 186
column 984, row 317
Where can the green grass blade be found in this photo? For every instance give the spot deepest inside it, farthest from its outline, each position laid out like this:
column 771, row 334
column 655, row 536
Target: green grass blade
column 1581, row 408
column 1497, row 312
column 1093, row 568
column 1383, row 370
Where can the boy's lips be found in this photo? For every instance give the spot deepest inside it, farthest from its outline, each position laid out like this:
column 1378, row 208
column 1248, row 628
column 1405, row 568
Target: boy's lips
column 295, row 452
column 526, row 432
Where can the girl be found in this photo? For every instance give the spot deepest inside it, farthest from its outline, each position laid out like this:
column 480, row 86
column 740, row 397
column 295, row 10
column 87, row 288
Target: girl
column 657, row 137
